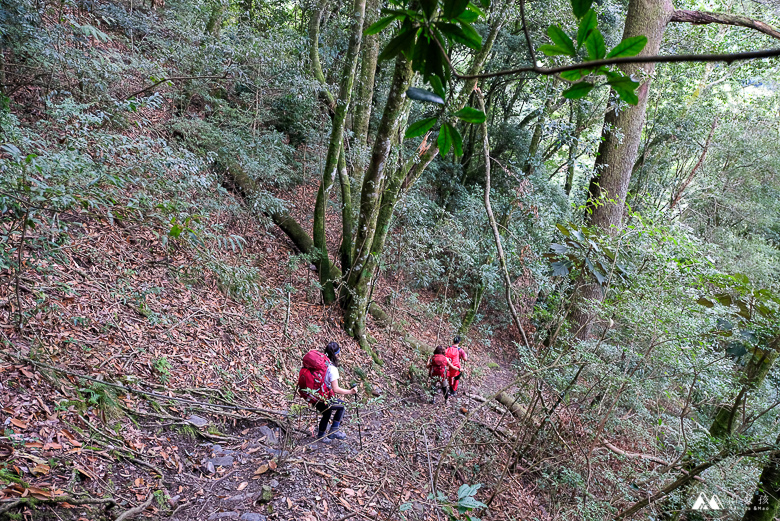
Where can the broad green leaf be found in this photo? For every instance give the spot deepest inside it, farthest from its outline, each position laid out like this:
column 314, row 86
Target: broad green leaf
column 380, row 24
column 470, row 115
column 457, row 141
column 434, row 64
column 578, row 90
column 587, row 24
column 573, row 75
column 444, row 140
column 423, row 95
column 552, row 50
column 429, row 7
column 626, row 89
column 581, row 7
column 454, row 8
column 594, row 43
column 436, row 83
column 705, row 302
column 563, row 229
column 456, row 34
column 472, row 36
column 628, row 47
column 468, row 16
column 561, row 39
column 561, row 268
column 401, row 42
column 485, row 3
column 418, row 128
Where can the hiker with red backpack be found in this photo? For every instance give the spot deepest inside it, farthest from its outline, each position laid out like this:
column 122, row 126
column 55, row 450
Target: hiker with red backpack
column 318, row 385
column 438, row 366
column 455, row 354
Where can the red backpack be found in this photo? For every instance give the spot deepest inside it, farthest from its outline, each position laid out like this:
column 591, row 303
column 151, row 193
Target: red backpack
column 438, row 366
column 453, row 353
column 312, row 378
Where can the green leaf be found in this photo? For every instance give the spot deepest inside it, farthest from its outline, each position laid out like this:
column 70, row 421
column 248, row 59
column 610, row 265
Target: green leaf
column 468, row 16
column 581, row 7
column 380, row 24
column 561, row 39
column 594, row 43
column 705, row 302
column 423, row 95
column 401, row 42
column 454, row 8
column 444, row 140
column 472, row 36
column 552, row 50
column 573, row 75
column 561, row 268
column 485, row 3
column 405, row 507
column 587, row 24
column 470, row 115
column 625, row 87
column 628, row 47
column 456, row 34
column 429, row 7
column 457, row 140
column 578, row 90
column 420, row 127
column 436, row 83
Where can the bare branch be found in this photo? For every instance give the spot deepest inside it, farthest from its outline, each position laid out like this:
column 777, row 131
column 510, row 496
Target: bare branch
column 705, row 17
column 674, row 58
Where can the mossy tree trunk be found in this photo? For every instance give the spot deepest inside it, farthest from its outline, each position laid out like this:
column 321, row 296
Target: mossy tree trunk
column 335, row 147
column 765, row 503
column 365, row 86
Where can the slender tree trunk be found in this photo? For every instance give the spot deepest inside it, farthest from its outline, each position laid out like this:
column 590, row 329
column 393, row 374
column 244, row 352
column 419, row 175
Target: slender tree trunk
column 622, row 128
column 765, row 503
column 345, row 251
column 214, row 23
column 334, row 148
column 314, row 51
column 363, row 265
column 365, row 93
column 577, row 120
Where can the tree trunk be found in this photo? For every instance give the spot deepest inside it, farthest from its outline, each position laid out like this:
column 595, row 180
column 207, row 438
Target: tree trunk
column 360, row 276
column 577, row 120
column 765, row 503
column 334, row 148
column 214, row 23
column 314, row 50
column 622, row 129
column 365, row 93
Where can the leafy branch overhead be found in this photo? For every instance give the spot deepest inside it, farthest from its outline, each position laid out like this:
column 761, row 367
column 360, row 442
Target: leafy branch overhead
column 428, row 34
column 589, row 37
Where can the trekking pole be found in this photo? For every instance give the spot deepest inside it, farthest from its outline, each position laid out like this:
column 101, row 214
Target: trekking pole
column 357, row 412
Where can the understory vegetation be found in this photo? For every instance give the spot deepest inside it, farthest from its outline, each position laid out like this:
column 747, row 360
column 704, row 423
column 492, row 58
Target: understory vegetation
column 194, row 194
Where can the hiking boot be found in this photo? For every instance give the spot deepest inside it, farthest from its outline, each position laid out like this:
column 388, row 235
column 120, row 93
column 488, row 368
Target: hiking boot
column 453, row 393
column 338, row 435
column 322, row 437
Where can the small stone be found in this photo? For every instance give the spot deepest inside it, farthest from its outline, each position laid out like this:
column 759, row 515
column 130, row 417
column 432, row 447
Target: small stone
column 273, row 483
column 222, row 515
column 174, row 500
column 210, row 468
column 250, row 516
column 234, row 501
column 270, row 435
column 278, row 453
column 197, row 421
column 376, row 390
column 222, row 461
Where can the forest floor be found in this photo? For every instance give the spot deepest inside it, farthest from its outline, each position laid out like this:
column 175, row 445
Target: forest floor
column 137, row 384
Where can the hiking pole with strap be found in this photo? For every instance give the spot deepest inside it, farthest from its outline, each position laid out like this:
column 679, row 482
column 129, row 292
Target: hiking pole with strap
column 357, row 412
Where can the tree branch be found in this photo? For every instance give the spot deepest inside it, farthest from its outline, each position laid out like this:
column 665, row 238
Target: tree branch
column 674, row 58
column 705, row 17
column 176, row 78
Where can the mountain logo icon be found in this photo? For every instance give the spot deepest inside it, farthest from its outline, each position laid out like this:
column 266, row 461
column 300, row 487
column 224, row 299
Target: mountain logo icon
column 704, row 503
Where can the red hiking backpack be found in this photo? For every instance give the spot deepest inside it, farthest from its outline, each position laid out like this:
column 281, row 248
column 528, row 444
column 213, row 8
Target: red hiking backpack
column 438, row 366
column 453, row 353
column 311, row 378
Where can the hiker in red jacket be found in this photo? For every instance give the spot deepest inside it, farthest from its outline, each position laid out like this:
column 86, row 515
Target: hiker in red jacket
column 437, row 366
column 318, row 383
column 455, row 354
